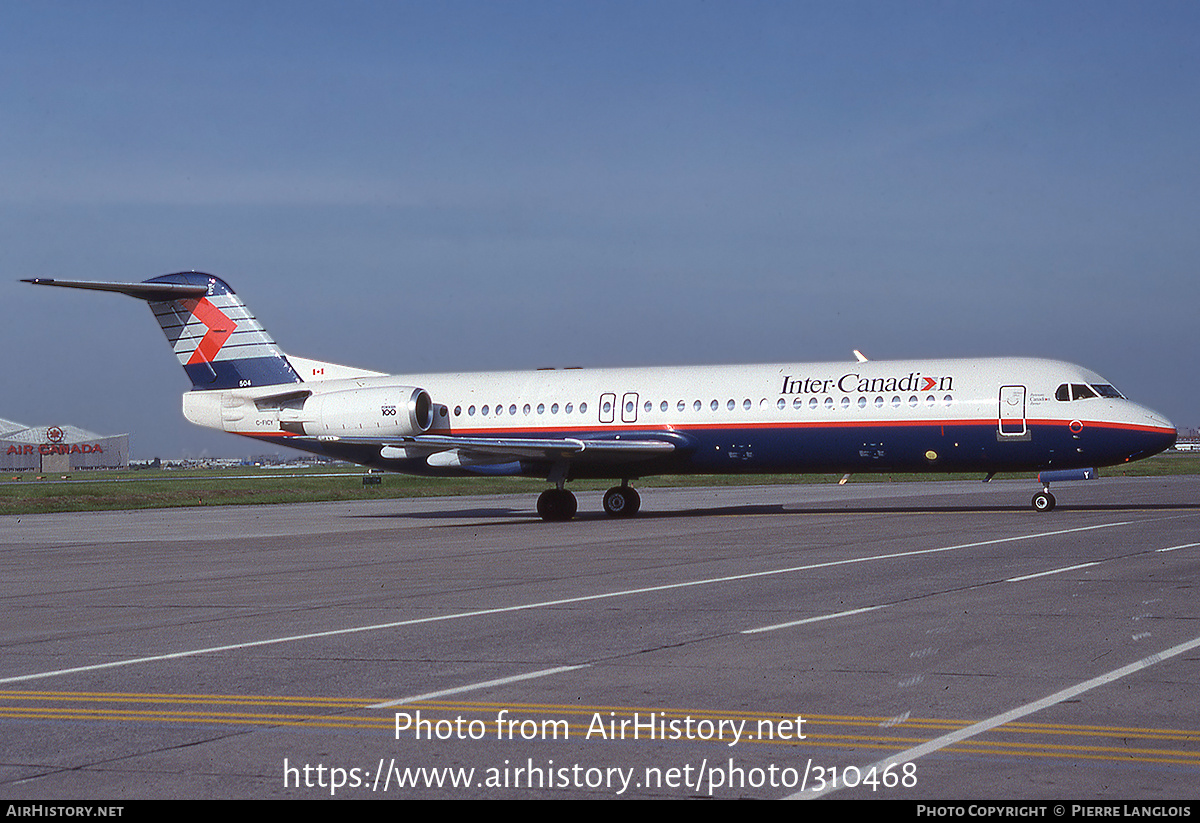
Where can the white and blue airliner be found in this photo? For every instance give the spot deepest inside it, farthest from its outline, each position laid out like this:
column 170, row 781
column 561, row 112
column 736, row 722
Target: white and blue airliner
column 969, row 415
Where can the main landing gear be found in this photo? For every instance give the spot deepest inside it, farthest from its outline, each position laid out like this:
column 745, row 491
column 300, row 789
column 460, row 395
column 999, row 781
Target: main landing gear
column 559, row 504
column 622, row 501
column 556, row 504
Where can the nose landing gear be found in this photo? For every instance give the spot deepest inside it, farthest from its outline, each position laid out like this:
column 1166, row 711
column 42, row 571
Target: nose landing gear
column 1043, row 501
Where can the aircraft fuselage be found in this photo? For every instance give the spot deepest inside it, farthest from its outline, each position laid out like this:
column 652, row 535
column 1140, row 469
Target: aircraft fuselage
column 995, row 414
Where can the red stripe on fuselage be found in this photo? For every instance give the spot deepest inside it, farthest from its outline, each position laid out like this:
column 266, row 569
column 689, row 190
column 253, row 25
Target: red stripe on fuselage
column 825, row 424
column 600, row 428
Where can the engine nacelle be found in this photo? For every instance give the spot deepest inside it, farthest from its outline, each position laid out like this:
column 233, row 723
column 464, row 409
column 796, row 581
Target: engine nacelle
column 382, row 411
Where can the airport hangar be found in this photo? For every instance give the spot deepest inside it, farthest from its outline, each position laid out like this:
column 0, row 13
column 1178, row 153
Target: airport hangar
column 59, row 449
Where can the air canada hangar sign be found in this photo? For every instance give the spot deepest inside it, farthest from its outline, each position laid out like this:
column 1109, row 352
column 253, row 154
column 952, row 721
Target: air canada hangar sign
column 57, row 448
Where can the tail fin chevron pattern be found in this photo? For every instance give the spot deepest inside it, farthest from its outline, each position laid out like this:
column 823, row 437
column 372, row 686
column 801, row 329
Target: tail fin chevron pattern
column 218, row 341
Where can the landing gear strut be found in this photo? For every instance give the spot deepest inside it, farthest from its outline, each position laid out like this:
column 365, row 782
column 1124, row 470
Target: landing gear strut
column 622, row 501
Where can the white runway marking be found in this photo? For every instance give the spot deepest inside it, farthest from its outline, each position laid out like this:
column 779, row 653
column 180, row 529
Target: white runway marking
column 1174, row 548
column 950, row 739
column 486, row 684
column 551, row 603
column 1052, row 571
column 816, row 619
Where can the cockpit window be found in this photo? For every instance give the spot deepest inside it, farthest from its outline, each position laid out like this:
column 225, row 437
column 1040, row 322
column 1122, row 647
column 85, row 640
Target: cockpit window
column 1082, row 391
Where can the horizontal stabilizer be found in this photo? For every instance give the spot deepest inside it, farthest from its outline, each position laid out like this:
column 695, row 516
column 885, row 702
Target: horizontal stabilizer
column 142, row 291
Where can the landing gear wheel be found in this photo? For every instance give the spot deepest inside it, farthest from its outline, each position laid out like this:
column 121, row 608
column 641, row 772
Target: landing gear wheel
column 557, row 505
column 622, row 501
column 1043, row 502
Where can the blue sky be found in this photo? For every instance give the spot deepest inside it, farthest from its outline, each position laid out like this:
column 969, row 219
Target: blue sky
column 465, row 186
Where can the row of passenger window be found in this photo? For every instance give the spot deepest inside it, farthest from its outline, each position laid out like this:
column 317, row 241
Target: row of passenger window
column 498, row 409
column 798, row 403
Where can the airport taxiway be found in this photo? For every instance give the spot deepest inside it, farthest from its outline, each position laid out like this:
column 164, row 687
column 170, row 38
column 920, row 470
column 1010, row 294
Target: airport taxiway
column 279, row 651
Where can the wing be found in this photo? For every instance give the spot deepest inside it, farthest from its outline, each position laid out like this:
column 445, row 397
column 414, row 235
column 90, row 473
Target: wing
column 447, row 451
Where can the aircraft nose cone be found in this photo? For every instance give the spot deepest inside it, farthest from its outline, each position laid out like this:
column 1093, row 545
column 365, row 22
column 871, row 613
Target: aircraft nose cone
column 1149, row 433
column 1164, row 437
column 1173, row 436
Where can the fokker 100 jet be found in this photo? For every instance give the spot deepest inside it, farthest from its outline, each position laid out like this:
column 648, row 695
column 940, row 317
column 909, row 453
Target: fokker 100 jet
column 987, row 415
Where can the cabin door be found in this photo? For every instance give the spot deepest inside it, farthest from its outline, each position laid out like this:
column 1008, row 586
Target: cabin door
column 1012, row 411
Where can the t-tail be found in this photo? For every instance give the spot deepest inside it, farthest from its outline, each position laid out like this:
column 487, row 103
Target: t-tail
column 218, row 341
